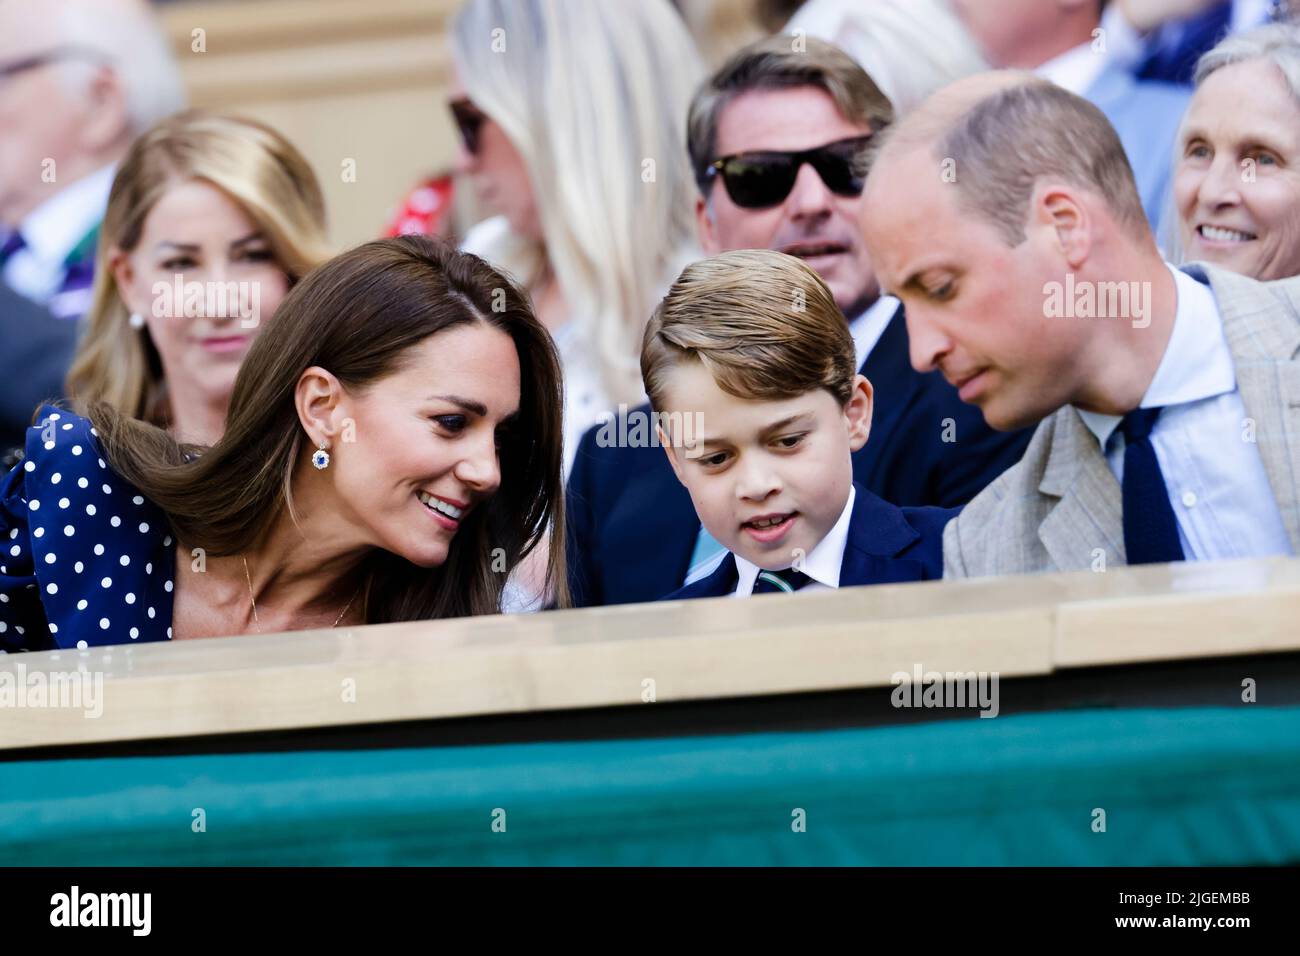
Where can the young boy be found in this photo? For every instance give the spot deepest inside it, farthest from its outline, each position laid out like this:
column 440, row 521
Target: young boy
column 750, row 371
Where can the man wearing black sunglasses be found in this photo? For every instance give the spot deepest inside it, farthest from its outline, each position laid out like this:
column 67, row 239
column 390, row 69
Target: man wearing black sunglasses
column 779, row 139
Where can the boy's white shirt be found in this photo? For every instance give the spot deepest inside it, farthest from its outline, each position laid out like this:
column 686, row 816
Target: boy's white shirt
column 822, row 563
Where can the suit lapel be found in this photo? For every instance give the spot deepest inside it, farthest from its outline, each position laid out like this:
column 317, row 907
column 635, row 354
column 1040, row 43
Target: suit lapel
column 1264, row 338
column 722, row 581
column 877, row 532
column 889, row 369
column 1087, row 514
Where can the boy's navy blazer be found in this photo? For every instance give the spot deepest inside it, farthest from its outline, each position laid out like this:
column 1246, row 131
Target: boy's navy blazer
column 632, row 527
column 885, row 545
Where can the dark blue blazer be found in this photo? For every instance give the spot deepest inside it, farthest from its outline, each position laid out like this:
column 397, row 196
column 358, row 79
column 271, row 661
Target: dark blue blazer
column 632, row 527
column 35, row 357
column 885, row 545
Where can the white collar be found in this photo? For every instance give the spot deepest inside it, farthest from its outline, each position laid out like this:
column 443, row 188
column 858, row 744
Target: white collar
column 822, row 563
column 1197, row 363
column 1075, row 70
column 868, row 327
column 55, row 227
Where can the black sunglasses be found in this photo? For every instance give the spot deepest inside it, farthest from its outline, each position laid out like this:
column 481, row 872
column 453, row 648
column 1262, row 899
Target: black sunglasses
column 469, row 121
column 762, row 179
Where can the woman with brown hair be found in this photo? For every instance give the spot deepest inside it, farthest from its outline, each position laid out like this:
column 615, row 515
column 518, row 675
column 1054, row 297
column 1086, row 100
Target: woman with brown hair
column 211, row 220
column 392, row 452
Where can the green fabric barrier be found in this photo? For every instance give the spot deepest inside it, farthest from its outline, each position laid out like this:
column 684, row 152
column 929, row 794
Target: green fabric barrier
column 1179, row 787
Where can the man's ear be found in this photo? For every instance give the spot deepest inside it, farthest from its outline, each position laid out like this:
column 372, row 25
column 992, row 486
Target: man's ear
column 108, row 120
column 706, row 227
column 320, row 399
column 671, row 452
column 1059, row 208
column 857, row 412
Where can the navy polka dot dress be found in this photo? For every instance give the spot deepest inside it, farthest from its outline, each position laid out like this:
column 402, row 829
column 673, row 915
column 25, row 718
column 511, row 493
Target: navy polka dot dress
column 84, row 558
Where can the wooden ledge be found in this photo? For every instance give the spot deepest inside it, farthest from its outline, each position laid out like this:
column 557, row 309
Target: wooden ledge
column 698, row 650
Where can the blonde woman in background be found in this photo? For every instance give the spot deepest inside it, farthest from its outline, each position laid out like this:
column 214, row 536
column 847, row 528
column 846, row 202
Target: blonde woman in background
column 909, row 47
column 572, row 116
column 210, row 221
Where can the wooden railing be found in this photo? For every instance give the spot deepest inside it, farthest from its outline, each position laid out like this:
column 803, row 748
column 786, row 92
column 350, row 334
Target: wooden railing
column 682, row 651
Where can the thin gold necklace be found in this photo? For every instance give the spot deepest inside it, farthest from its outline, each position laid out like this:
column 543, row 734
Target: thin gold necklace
column 252, row 600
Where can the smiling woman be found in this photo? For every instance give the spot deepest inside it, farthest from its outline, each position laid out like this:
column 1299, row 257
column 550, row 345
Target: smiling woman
column 210, row 220
column 1237, row 173
column 393, row 451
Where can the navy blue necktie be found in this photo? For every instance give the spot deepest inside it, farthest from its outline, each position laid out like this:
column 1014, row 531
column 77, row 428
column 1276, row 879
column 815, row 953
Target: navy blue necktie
column 1150, row 528
column 13, row 242
column 787, row 580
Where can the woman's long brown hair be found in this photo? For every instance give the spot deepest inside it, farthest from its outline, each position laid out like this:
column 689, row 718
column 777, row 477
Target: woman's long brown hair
column 355, row 316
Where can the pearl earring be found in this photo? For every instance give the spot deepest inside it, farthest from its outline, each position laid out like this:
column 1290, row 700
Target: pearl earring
column 136, row 320
column 321, row 458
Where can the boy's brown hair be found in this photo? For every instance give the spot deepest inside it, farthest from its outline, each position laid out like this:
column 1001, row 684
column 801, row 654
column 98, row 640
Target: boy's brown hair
column 762, row 323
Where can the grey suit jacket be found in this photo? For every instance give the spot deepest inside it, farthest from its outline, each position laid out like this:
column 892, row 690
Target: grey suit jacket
column 1058, row 508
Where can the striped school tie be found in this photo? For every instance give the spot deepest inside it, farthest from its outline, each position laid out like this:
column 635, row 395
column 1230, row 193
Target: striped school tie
column 787, row 580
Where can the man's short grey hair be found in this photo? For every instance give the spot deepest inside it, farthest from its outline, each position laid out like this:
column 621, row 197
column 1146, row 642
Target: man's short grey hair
column 1277, row 43
column 130, row 38
column 774, row 63
column 1000, row 145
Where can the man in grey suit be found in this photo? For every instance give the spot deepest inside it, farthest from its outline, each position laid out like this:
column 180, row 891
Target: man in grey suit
column 1004, row 215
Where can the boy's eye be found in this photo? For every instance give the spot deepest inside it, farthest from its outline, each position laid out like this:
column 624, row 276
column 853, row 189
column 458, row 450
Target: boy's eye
column 942, row 292
column 791, row 441
column 712, row 461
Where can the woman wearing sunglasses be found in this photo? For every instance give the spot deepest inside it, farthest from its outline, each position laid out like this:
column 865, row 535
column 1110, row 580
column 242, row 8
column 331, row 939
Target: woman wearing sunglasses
column 571, row 119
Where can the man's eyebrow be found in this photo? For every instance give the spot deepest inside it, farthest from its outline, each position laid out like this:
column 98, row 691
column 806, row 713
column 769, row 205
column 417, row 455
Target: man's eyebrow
column 468, row 404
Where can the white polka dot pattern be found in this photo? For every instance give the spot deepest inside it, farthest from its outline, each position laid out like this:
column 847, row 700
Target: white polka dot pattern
column 74, row 574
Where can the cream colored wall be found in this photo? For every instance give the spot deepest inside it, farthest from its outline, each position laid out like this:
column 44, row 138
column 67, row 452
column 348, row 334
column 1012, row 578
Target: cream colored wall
column 359, row 80
column 362, row 80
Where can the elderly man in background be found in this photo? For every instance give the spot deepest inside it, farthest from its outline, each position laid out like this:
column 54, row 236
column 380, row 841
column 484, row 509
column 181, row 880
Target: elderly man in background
column 79, row 80
column 1004, row 215
column 1063, row 41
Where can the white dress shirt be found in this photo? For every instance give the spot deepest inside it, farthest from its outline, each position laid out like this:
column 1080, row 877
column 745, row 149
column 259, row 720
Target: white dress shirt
column 822, row 563
column 1076, row 69
column 868, row 327
column 52, row 231
column 1216, row 480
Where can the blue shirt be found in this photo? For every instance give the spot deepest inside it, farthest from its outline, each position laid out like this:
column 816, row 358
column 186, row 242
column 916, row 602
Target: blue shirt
column 1203, row 440
column 84, row 558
